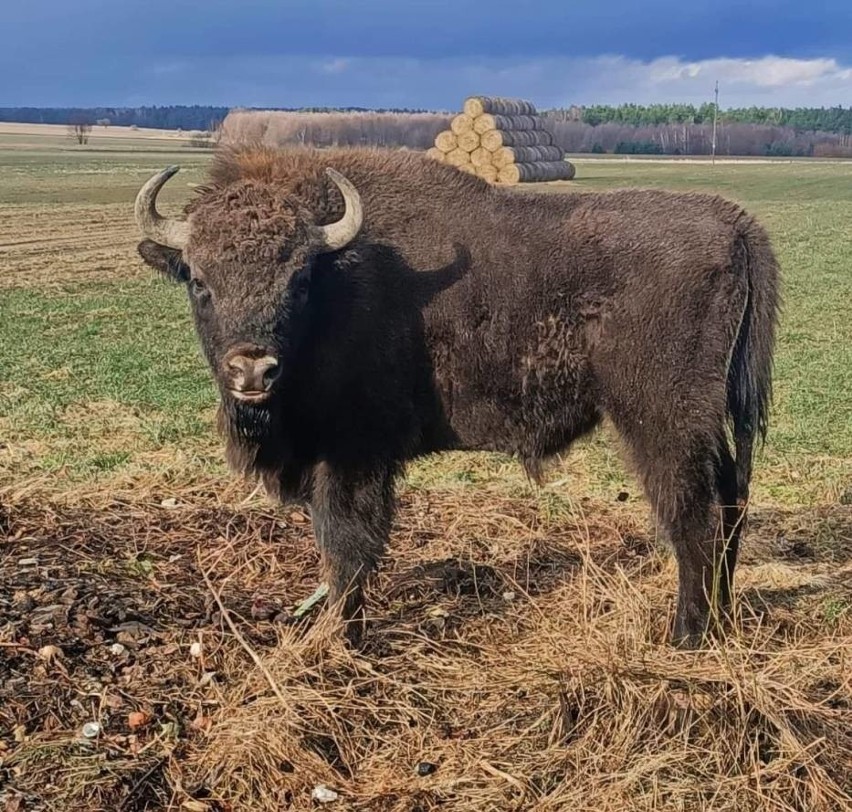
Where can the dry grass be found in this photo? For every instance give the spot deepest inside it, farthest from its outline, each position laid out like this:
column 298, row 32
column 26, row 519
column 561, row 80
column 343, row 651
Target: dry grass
column 517, row 644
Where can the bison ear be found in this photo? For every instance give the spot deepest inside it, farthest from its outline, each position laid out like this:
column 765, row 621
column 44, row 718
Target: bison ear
column 168, row 261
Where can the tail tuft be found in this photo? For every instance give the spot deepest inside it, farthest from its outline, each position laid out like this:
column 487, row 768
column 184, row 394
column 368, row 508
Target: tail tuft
column 750, row 371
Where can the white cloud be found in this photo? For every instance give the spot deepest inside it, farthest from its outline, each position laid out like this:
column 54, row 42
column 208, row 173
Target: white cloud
column 769, row 80
column 770, row 71
column 787, row 81
column 609, row 79
column 339, row 80
column 334, row 66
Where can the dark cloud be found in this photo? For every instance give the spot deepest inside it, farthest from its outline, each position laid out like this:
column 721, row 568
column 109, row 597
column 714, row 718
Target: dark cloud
column 270, row 52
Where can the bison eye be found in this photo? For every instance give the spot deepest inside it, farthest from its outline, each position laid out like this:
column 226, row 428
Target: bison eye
column 197, row 288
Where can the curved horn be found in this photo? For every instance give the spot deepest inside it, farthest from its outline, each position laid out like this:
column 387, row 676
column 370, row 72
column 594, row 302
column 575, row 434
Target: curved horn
column 338, row 235
column 163, row 230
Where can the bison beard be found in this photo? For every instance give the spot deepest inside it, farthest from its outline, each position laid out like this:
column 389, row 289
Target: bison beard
column 247, row 423
column 654, row 309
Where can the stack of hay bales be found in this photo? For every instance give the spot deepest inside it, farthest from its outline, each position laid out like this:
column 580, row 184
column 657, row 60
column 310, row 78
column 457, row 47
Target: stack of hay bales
column 503, row 141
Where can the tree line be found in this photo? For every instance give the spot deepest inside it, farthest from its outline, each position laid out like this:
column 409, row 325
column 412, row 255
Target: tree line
column 667, row 129
column 808, row 119
column 197, row 117
column 358, row 128
column 732, row 138
column 168, row 117
column 418, row 131
column 171, row 117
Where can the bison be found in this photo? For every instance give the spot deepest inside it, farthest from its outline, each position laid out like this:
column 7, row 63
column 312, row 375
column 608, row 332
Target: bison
column 362, row 307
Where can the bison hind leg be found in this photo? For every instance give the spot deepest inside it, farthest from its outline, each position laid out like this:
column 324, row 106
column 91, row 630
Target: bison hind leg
column 686, row 510
column 732, row 509
column 682, row 473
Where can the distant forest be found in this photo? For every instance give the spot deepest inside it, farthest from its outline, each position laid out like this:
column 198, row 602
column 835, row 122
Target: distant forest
column 171, row 117
column 664, row 129
column 810, row 119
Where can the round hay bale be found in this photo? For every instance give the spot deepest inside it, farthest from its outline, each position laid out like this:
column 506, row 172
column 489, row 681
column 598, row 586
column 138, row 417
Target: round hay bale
column 461, row 124
column 477, row 105
column 521, row 155
column 481, row 157
column 435, row 154
column 544, row 171
column 487, row 172
column 540, row 172
column 458, row 157
column 470, row 169
column 510, row 174
column 487, row 121
column 446, row 141
column 468, row 141
column 494, row 139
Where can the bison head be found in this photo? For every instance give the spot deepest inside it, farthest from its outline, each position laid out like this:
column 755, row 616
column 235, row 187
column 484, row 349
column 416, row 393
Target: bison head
column 245, row 253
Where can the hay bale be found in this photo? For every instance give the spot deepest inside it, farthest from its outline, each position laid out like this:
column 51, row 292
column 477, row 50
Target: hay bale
column 477, row 105
column 487, row 172
column 435, row 154
column 481, row 157
column 540, row 172
column 468, row 141
column 524, row 155
column 446, row 141
column 458, row 157
column 487, row 121
column 461, row 124
column 470, row 169
column 494, row 139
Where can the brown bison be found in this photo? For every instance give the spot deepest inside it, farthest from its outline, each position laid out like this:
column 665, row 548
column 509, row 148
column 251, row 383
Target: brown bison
column 361, row 307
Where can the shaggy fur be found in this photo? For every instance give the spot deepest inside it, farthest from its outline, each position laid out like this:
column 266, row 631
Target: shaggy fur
column 465, row 316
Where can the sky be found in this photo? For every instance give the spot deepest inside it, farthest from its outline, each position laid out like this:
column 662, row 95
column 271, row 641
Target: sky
column 423, row 54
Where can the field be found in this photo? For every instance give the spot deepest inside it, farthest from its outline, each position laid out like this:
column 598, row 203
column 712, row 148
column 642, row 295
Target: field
column 517, row 658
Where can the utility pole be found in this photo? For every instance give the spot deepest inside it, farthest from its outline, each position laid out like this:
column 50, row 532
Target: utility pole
column 715, row 116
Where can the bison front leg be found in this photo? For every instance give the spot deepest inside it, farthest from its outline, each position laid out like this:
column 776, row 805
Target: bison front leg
column 352, row 513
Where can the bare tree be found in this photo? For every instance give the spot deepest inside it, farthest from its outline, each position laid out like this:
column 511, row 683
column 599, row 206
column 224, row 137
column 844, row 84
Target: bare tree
column 215, row 130
column 79, row 129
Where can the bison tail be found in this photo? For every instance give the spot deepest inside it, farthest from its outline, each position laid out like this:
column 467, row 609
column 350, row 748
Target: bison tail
column 750, row 370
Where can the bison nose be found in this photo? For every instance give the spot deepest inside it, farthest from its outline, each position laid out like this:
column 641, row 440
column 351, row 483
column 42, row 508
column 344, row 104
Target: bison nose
column 250, row 373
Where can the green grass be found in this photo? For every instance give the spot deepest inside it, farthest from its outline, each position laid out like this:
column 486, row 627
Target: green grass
column 99, row 377
column 125, row 342
column 91, row 177
column 97, row 373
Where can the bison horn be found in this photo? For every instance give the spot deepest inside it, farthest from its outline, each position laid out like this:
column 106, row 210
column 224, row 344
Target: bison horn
column 163, row 230
column 338, row 235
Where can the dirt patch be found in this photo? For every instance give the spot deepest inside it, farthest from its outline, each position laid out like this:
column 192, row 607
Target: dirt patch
column 73, row 244
column 514, row 662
